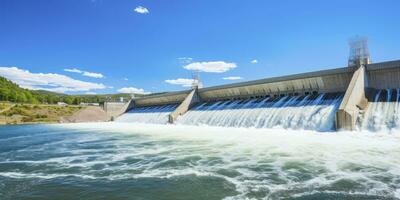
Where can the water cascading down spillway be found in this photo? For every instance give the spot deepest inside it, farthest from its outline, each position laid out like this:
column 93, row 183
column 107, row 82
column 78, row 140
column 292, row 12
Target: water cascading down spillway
column 383, row 112
column 312, row 112
column 150, row 114
column 316, row 112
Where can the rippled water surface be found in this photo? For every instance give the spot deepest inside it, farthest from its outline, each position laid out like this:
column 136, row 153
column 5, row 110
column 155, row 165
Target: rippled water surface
column 132, row 161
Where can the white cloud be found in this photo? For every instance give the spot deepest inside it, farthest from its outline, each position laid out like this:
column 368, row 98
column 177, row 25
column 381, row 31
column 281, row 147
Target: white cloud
column 85, row 73
column 132, row 90
column 185, row 60
column 73, row 70
column 49, row 81
column 254, row 61
column 93, row 74
column 141, row 10
column 126, row 79
column 213, row 67
column 182, row 81
column 232, row 78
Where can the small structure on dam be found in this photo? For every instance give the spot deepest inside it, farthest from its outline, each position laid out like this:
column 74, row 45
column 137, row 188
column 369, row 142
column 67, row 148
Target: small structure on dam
column 340, row 97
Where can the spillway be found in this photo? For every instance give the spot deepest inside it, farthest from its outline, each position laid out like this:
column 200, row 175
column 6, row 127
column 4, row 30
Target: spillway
column 314, row 112
column 150, row 114
column 383, row 112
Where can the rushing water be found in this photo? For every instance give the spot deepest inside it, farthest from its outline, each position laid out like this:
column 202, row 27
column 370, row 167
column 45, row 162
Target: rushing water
column 298, row 112
column 383, row 112
column 312, row 112
column 137, row 161
column 151, row 114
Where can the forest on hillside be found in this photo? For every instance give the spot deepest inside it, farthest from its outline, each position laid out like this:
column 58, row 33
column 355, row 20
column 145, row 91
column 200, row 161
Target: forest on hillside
column 12, row 92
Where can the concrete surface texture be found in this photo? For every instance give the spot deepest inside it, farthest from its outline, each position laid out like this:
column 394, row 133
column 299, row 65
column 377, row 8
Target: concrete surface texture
column 115, row 109
column 326, row 81
column 162, row 99
column 353, row 101
column 384, row 75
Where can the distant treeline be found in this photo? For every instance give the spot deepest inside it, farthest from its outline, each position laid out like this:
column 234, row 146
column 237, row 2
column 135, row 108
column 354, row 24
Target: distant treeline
column 10, row 91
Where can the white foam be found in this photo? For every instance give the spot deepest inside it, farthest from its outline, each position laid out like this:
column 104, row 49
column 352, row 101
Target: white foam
column 397, row 193
column 41, row 175
column 260, row 159
column 312, row 113
column 383, row 116
column 287, row 112
column 153, row 114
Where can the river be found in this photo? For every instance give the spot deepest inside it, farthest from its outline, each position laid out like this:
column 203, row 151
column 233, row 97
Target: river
column 138, row 161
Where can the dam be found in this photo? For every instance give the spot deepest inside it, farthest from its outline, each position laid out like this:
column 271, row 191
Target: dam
column 348, row 98
column 363, row 96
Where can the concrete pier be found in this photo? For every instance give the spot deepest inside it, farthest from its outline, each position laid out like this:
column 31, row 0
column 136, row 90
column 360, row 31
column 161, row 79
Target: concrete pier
column 189, row 101
column 115, row 109
column 353, row 101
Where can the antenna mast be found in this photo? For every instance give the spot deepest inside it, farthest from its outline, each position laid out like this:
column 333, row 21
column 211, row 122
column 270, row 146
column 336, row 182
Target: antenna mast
column 196, row 80
column 359, row 54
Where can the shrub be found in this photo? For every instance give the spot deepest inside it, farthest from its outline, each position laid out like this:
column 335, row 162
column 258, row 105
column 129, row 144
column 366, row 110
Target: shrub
column 27, row 119
column 41, row 116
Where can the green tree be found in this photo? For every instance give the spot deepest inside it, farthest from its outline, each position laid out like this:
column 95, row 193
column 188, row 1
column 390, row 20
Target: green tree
column 69, row 100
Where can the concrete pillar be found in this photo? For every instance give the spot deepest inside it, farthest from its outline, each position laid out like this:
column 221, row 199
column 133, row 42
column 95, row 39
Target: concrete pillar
column 129, row 105
column 186, row 104
column 115, row 109
column 353, row 101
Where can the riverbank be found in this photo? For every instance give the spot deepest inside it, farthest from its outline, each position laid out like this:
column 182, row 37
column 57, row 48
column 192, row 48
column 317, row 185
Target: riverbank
column 11, row 113
column 87, row 114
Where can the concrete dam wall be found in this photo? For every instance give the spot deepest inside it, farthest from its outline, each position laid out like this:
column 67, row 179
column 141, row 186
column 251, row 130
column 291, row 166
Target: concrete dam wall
column 340, row 95
column 385, row 75
column 326, row 81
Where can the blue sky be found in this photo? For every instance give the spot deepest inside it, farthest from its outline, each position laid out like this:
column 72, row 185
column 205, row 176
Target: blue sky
column 101, row 46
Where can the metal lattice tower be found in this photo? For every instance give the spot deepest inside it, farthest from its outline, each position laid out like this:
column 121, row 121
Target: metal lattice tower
column 196, row 80
column 359, row 54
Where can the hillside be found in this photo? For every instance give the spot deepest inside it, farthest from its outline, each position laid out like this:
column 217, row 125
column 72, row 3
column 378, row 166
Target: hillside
column 21, row 106
column 35, row 113
column 11, row 92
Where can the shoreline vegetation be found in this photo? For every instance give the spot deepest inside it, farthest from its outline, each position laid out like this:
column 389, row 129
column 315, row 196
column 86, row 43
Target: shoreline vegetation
column 11, row 113
column 24, row 106
column 15, row 113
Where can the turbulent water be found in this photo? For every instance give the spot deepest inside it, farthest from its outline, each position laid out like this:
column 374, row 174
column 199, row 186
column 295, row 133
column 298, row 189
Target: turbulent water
column 384, row 112
column 137, row 161
column 312, row 112
column 298, row 112
column 151, row 114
